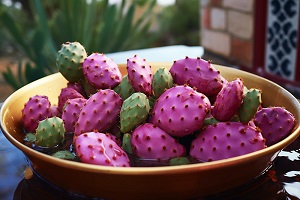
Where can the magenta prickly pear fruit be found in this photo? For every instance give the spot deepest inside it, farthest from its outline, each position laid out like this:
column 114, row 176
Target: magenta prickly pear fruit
column 180, row 110
column 71, row 112
column 275, row 123
column 55, row 111
column 78, row 87
column 50, row 132
column 101, row 71
column 98, row 148
column 65, row 94
column 228, row 100
column 36, row 109
column 150, row 142
column 69, row 60
column 226, row 140
column 140, row 75
column 250, row 105
column 100, row 112
column 197, row 73
column 134, row 111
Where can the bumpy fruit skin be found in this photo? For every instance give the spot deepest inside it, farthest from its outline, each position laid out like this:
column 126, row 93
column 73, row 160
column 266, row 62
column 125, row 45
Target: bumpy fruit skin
column 124, row 89
column 69, row 60
column 150, row 142
column 65, row 94
column 140, row 75
column 251, row 103
column 197, row 73
column 99, row 149
column 50, row 132
column 162, row 80
column 100, row 112
column 275, row 123
column 126, row 143
column 226, row 140
column 101, row 71
column 228, row 100
column 71, row 112
column 36, row 109
column 180, row 110
column 134, row 111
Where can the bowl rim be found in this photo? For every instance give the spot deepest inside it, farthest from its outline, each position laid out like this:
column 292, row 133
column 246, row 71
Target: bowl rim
column 29, row 152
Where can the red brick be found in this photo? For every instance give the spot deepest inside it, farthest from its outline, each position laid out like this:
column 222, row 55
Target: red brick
column 242, row 51
column 216, row 3
column 205, row 15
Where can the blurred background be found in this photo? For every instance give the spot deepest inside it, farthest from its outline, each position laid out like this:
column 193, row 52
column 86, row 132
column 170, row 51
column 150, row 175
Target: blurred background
column 260, row 36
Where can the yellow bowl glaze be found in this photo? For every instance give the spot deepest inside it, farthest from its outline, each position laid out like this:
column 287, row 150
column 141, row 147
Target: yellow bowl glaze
column 171, row 182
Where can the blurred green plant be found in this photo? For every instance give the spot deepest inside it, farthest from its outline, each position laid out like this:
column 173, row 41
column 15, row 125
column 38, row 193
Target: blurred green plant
column 180, row 23
column 98, row 25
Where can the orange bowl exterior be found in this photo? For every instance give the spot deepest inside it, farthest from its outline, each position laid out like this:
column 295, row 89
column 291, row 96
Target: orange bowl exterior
column 168, row 182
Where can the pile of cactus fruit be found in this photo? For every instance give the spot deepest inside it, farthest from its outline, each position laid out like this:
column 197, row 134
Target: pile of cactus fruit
column 186, row 114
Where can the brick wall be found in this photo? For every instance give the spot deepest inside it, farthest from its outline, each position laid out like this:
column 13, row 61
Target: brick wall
column 227, row 29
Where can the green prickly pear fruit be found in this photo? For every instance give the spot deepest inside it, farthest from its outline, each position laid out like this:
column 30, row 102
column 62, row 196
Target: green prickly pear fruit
column 50, row 132
column 210, row 121
column 64, row 154
column 179, row 161
column 134, row 111
column 126, row 144
column 124, row 89
column 69, row 61
column 250, row 105
column 162, row 80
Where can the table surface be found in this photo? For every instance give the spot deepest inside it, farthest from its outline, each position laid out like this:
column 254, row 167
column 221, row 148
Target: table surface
column 281, row 181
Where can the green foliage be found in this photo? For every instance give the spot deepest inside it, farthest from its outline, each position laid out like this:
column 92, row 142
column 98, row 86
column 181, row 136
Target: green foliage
column 97, row 25
column 179, row 23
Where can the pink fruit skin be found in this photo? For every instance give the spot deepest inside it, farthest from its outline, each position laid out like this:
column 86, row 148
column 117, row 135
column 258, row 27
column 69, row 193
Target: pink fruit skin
column 99, row 149
column 275, row 123
column 197, row 73
column 101, row 71
column 140, row 75
column 228, row 100
column 36, row 109
column 150, row 142
column 78, row 87
column 226, row 140
column 71, row 112
column 100, row 112
column 180, row 111
column 65, row 94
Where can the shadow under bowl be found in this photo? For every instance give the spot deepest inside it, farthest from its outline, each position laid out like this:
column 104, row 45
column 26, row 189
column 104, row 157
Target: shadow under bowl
column 165, row 182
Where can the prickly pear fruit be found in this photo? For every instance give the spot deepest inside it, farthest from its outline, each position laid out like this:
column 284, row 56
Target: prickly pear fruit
column 179, row 161
column 71, row 112
column 180, row 110
column 50, row 132
column 275, row 123
column 64, row 154
column 89, row 89
column 250, row 105
column 134, row 111
column 197, row 73
column 78, row 87
column 55, row 111
column 101, row 71
column 150, row 142
column 226, row 140
column 69, row 60
column 100, row 112
column 228, row 100
column 162, row 80
column 36, row 109
column 98, row 148
column 126, row 144
column 124, row 89
column 65, row 94
column 140, row 75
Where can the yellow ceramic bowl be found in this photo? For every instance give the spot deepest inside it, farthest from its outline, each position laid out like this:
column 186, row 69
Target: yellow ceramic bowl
column 171, row 182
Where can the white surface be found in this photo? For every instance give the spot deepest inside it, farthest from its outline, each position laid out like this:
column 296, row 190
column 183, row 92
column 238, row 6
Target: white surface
column 159, row 54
